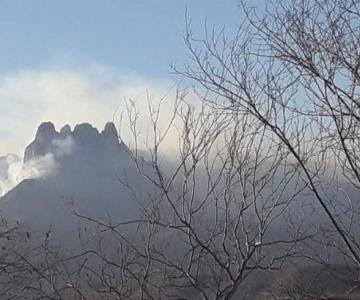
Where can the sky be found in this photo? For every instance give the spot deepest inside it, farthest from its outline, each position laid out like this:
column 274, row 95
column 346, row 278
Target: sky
column 74, row 61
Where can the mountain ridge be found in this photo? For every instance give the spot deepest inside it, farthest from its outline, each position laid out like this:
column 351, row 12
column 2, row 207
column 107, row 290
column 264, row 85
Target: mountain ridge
column 83, row 133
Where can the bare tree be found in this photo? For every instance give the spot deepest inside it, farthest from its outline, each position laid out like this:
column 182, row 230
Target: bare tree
column 33, row 267
column 216, row 214
column 294, row 68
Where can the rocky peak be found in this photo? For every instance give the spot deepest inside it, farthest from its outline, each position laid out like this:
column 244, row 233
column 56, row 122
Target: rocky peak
column 83, row 134
column 65, row 131
column 45, row 134
column 46, row 131
column 110, row 133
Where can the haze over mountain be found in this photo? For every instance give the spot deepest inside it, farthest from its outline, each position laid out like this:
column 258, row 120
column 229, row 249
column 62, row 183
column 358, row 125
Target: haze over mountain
column 81, row 170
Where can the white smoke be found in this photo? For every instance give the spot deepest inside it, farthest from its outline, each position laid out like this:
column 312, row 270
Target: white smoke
column 63, row 147
column 13, row 170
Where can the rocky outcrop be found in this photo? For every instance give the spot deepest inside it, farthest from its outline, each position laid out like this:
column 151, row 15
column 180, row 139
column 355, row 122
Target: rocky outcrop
column 84, row 135
column 65, row 131
column 110, row 133
column 45, row 134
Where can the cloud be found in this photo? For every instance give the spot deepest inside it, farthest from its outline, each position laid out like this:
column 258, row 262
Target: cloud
column 68, row 96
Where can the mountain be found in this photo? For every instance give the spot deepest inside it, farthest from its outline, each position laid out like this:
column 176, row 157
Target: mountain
column 80, row 170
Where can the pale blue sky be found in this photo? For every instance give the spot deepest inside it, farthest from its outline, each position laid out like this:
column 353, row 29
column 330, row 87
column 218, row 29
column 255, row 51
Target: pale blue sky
column 72, row 61
column 141, row 36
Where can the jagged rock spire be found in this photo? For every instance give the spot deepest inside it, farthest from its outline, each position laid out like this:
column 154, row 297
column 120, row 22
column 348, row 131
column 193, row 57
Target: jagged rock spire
column 46, row 131
column 83, row 134
column 45, row 134
column 110, row 133
column 65, row 131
